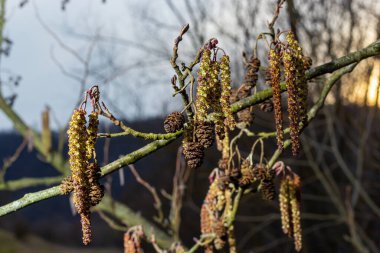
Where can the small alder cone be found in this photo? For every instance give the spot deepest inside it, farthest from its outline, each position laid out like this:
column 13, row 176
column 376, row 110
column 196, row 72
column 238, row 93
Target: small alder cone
column 275, row 75
column 246, row 116
column 205, row 133
column 268, row 189
column 174, row 122
column 78, row 164
column 225, row 76
column 250, row 80
column 267, row 106
column 252, row 68
column 247, row 175
column 259, row 171
column 202, row 102
column 194, row 153
column 96, row 189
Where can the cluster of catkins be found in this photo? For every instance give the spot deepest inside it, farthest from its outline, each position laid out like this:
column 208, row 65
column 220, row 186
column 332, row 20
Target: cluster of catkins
column 216, row 207
column 85, row 172
column 213, row 95
column 290, row 56
column 289, row 199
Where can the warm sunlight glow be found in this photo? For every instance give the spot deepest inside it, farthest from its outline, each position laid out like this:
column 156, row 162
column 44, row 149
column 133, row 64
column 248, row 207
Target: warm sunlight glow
column 373, row 89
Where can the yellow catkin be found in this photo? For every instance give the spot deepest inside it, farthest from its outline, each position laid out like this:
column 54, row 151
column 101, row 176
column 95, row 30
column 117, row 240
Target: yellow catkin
column 231, row 239
column 202, row 102
column 289, row 61
column 225, row 77
column 299, row 64
column 78, row 165
column 92, row 132
column 274, row 72
column 284, row 202
column 46, row 131
column 296, row 215
column 211, row 221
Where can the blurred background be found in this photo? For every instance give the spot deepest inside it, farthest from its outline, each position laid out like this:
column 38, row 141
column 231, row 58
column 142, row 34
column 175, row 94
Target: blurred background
column 53, row 51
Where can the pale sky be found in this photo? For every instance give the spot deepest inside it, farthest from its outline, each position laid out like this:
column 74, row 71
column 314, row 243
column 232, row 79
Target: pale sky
column 43, row 82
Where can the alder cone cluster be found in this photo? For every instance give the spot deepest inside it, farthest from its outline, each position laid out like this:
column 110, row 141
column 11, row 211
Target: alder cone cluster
column 268, row 190
column 193, row 152
column 174, row 122
column 266, row 106
column 205, row 134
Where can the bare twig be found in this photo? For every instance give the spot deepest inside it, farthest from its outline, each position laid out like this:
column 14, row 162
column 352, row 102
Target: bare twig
column 157, row 201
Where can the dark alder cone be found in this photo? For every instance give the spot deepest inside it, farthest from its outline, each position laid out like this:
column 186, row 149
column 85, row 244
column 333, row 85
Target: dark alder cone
column 274, row 70
column 247, row 176
column 194, row 153
column 268, row 78
column 251, row 76
column 250, row 80
column 234, row 173
column 268, row 190
column 307, row 61
column 96, row 190
column 246, row 115
column 174, row 122
column 205, row 133
column 267, row 106
column 259, row 171
column 234, row 96
column 223, row 163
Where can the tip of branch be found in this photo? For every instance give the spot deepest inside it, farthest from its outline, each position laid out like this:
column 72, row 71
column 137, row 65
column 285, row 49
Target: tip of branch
column 185, row 28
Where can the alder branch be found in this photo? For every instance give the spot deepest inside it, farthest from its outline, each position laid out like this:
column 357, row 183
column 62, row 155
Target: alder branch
column 314, row 110
column 25, row 182
column 30, row 198
column 131, row 218
column 371, row 50
column 54, row 158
